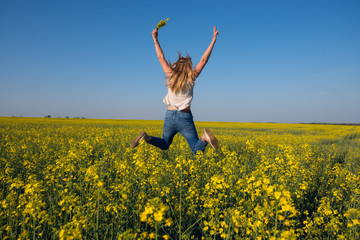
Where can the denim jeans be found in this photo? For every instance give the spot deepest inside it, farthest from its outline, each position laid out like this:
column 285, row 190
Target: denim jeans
column 182, row 122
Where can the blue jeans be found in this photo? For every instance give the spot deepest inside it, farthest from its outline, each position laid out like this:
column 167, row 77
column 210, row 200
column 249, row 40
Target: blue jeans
column 182, row 122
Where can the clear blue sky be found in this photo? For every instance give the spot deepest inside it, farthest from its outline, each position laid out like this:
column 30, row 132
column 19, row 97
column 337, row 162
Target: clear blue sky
column 274, row 61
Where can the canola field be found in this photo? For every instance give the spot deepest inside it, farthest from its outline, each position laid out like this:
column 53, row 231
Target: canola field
column 78, row 179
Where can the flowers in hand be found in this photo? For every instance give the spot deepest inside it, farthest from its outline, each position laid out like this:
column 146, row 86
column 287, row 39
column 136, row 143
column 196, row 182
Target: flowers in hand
column 161, row 23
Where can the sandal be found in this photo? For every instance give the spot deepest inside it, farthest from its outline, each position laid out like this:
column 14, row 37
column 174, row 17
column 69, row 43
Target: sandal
column 138, row 139
column 211, row 139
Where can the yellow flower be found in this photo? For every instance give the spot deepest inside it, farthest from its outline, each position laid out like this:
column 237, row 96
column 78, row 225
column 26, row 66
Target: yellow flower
column 168, row 222
column 355, row 222
column 277, row 195
column 158, row 216
column 143, row 216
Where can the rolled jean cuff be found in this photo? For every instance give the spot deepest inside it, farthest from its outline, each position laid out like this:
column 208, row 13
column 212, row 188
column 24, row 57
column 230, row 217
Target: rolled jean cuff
column 200, row 146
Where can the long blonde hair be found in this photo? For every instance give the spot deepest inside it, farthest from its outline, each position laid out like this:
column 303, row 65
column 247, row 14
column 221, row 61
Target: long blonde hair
column 182, row 75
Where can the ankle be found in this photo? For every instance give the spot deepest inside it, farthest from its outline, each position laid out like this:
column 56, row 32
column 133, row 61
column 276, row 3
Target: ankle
column 147, row 138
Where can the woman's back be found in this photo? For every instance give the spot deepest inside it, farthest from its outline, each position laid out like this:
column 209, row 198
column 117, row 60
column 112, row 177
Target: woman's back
column 181, row 100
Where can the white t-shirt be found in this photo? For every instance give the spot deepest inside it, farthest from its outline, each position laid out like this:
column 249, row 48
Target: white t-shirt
column 181, row 100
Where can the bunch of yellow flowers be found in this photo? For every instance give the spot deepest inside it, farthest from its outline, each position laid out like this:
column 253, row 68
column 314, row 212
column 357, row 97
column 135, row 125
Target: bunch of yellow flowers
column 161, row 23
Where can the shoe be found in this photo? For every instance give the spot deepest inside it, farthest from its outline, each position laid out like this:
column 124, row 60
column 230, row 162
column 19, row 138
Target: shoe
column 138, row 139
column 211, row 139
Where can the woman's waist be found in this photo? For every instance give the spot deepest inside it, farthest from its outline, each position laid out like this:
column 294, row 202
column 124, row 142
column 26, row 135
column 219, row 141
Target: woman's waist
column 187, row 109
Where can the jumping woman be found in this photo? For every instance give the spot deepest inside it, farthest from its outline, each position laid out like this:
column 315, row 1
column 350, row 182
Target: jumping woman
column 178, row 118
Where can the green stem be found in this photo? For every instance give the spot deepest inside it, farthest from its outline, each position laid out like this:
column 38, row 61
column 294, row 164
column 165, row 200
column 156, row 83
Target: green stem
column 180, row 203
column 97, row 215
column 156, row 230
column 192, row 225
column 34, row 228
column 276, row 221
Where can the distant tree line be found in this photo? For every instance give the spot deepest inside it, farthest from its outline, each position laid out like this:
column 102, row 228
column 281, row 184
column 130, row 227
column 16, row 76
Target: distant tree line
column 49, row 116
column 348, row 124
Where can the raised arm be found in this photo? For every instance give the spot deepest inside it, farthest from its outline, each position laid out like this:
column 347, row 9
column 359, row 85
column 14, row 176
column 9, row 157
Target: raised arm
column 204, row 59
column 160, row 54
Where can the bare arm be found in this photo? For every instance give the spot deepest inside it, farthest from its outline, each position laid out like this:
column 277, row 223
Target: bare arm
column 160, row 54
column 204, row 59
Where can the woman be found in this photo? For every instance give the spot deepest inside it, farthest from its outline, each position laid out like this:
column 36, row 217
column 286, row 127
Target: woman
column 180, row 83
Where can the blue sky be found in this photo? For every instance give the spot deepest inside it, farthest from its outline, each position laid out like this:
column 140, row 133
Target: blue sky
column 274, row 60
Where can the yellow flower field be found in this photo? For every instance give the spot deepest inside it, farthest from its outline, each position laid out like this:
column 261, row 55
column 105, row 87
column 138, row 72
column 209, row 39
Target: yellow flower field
column 78, row 179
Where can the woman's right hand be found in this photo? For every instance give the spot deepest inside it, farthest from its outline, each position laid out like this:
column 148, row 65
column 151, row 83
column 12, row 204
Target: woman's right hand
column 155, row 34
column 216, row 33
